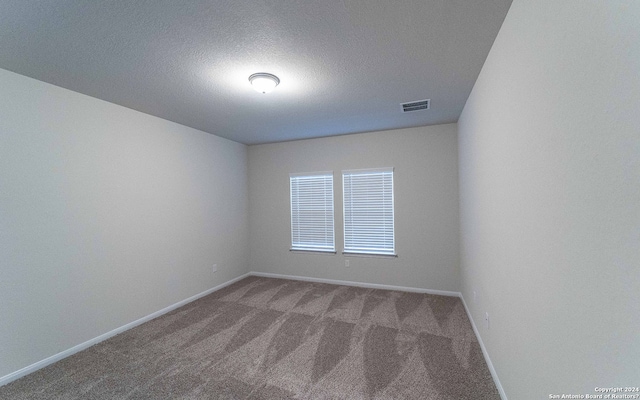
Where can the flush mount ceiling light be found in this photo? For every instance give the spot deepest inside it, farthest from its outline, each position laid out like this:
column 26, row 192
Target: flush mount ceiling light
column 263, row 82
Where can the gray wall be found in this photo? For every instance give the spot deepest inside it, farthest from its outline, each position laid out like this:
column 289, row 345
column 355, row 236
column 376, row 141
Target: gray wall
column 550, row 197
column 426, row 206
column 106, row 215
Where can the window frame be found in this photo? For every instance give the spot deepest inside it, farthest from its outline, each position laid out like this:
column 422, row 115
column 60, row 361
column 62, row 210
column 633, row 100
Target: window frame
column 297, row 244
column 359, row 248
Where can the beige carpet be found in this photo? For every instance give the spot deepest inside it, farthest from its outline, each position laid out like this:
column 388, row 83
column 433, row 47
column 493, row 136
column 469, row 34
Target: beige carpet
column 263, row 338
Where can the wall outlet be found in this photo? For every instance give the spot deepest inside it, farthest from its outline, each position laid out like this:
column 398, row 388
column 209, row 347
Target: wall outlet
column 486, row 319
column 346, row 263
column 215, row 267
column 475, row 296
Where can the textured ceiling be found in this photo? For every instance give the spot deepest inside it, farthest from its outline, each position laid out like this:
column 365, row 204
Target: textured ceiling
column 345, row 65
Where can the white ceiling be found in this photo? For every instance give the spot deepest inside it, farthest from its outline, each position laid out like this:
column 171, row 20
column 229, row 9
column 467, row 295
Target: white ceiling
column 345, row 65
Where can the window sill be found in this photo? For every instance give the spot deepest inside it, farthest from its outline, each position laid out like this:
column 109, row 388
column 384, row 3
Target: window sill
column 369, row 255
column 321, row 252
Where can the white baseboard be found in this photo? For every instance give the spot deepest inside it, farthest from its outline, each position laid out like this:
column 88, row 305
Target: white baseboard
column 66, row 353
column 494, row 374
column 358, row 284
column 82, row 346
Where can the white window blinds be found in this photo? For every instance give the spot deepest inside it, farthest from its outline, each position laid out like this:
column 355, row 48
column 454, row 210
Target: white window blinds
column 312, row 212
column 368, row 211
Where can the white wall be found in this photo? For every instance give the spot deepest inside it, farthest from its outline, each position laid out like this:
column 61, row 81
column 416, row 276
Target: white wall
column 426, row 206
column 106, row 215
column 549, row 152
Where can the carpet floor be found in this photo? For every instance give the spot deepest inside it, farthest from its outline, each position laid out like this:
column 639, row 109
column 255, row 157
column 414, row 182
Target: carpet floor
column 264, row 338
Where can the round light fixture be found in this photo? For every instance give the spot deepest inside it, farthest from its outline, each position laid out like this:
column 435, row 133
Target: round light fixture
column 263, row 82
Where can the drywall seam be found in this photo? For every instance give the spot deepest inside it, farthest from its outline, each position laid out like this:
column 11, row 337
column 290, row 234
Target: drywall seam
column 494, row 374
column 82, row 346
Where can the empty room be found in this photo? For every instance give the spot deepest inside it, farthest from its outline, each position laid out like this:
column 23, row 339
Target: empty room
column 341, row 199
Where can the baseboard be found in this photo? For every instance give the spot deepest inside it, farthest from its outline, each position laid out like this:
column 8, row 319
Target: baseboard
column 492, row 370
column 66, row 353
column 494, row 374
column 358, row 284
column 59, row 356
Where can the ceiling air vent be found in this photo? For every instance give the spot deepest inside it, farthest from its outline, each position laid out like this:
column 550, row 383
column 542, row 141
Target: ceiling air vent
column 416, row 105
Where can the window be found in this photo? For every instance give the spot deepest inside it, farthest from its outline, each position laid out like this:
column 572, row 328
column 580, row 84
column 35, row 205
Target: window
column 312, row 212
column 368, row 211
